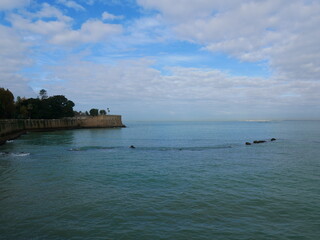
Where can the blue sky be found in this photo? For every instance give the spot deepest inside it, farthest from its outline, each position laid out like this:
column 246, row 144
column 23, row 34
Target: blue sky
column 150, row 60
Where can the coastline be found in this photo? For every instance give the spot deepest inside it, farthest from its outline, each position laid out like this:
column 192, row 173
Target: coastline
column 11, row 136
column 13, row 128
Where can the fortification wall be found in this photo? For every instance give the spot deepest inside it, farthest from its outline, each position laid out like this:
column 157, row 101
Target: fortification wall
column 102, row 121
column 12, row 128
column 43, row 124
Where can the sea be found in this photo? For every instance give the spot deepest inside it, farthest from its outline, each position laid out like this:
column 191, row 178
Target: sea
column 179, row 180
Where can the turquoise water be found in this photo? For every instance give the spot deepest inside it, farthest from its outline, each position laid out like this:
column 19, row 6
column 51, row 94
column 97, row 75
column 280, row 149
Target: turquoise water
column 184, row 180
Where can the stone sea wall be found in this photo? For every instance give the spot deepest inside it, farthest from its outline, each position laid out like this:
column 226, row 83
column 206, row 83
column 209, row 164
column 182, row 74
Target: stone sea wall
column 12, row 128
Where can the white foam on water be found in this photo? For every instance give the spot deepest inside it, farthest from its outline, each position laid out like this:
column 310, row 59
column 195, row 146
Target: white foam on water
column 21, row 154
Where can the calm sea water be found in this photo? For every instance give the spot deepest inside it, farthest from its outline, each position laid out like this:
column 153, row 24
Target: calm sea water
column 184, row 180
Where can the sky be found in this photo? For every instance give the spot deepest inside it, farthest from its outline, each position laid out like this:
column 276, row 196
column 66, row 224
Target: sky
column 167, row 60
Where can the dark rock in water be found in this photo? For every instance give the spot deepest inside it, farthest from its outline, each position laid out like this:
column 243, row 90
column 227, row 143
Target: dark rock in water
column 132, row 146
column 273, row 139
column 247, row 143
column 259, row 141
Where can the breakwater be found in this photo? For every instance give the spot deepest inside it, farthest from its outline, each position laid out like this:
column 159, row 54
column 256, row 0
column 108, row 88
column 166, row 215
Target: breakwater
column 12, row 128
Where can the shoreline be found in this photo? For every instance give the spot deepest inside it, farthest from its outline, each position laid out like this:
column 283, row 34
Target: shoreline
column 12, row 136
column 13, row 128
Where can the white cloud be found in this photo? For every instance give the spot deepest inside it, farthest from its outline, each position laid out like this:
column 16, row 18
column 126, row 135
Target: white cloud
column 185, row 10
column 109, row 16
column 48, row 11
column 11, row 4
column 13, row 58
column 147, row 30
column 45, row 28
column 33, row 23
column 60, row 30
column 90, row 31
column 137, row 80
column 210, row 92
column 282, row 32
column 71, row 4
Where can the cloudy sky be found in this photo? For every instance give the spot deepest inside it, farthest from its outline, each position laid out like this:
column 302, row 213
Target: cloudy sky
column 167, row 60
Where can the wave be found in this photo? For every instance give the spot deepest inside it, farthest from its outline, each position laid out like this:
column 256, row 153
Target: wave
column 20, row 154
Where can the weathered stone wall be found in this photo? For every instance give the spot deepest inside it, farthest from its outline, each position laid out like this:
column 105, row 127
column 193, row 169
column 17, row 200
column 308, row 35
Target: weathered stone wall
column 12, row 128
column 102, row 121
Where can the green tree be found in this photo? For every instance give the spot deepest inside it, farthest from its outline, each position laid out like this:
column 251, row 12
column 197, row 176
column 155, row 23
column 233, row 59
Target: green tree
column 28, row 108
column 53, row 107
column 57, row 107
column 43, row 94
column 76, row 113
column 7, row 108
column 103, row 112
column 94, row 112
column 23, row 112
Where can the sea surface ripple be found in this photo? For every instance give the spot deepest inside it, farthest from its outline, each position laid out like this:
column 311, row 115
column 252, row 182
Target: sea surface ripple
column 183, row 180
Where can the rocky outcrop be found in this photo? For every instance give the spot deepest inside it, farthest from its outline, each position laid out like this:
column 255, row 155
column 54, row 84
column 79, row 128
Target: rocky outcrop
column 260, row 141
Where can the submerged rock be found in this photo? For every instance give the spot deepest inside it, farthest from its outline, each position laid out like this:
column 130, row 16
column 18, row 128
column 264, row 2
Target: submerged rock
column 260, row 141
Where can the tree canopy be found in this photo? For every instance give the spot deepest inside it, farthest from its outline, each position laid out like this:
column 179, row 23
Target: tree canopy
column 94, row 112
column 43, row 107
column 103, row 112
column 43, row 94
column 47, row 108
column 6, row 104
